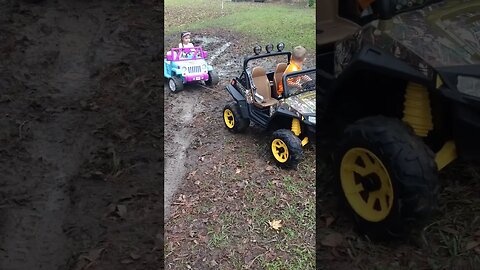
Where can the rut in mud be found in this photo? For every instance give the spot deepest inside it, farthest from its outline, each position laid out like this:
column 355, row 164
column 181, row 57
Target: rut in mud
column 80, row 137
column 183, row 107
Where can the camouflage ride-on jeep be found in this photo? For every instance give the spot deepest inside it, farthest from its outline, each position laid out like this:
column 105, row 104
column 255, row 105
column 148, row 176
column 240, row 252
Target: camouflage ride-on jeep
column 291, row 116
column 400, row 84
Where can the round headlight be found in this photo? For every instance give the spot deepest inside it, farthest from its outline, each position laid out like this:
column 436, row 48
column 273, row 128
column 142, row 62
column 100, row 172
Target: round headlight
column 204, row 66
column 184, row 69
column 280, row 46
column 257, row 49
column 269, row 48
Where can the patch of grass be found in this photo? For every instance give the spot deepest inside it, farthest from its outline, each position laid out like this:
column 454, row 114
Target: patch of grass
column 268, row 22
column 301, row 259
column 219, row 239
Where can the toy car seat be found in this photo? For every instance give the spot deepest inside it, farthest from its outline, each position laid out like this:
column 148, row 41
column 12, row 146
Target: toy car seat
column 277, row 77
column 262, row 84
column 331, row 27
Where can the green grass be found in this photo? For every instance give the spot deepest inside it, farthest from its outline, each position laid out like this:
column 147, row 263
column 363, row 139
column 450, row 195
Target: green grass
column 301, row 259
column 266, row 22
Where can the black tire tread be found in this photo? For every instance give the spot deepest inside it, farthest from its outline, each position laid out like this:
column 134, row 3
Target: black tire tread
column 213, row 78
column 417, row 180
column 241, row 124
column 294, row 146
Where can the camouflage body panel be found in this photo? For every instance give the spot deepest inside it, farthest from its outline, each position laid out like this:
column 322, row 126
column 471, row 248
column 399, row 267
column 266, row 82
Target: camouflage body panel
column 303, row 103
column 439, row 35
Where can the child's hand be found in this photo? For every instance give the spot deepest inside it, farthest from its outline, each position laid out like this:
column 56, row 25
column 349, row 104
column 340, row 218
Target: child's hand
column 306, row 78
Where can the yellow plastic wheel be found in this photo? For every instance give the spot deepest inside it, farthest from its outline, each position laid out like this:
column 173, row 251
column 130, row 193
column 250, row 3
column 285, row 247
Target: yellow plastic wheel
column 228, row 118
column 280, row 150
column 366, row 184
column 233, row 119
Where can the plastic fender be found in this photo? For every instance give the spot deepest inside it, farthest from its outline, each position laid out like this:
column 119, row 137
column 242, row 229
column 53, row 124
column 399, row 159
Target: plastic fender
column 177, row 71
column 237, row 96
column 377, row 60
column 166, row 70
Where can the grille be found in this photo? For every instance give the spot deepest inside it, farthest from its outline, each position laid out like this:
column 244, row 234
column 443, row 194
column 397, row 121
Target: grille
column 195, row 69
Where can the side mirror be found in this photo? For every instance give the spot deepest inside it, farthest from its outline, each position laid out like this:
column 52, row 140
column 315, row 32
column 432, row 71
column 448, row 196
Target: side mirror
column 204, row 54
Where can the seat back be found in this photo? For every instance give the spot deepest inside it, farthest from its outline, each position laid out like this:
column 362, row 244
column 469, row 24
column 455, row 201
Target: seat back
column 277, row 76
column 261, row 82
column 327, row 10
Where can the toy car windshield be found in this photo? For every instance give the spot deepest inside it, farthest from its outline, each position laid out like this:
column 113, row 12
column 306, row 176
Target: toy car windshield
column 183, row 54
column 299, row 82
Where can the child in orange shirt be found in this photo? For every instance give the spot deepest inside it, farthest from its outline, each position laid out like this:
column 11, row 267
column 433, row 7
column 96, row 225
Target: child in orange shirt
column 298, row 57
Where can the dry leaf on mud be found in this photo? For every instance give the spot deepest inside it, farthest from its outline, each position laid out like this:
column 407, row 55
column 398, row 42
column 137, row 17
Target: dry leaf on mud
column 329, row 221
column 238, row 171
column 94, row 254
column 275, row 224
column 121, row 210
column 269, row 168
column 134, row 256
column 471, row 245
column 332, row 240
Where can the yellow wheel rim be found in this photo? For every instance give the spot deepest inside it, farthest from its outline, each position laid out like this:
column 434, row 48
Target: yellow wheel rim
column 280, row 150
column 228, row 118
column 366, row 184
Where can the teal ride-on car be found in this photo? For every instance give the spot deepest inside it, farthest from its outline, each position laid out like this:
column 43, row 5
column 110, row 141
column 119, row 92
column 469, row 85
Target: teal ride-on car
column 187, row 65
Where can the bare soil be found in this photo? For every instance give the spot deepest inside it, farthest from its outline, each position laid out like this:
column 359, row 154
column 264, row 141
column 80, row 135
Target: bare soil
column 81, row 135
column 225, row 187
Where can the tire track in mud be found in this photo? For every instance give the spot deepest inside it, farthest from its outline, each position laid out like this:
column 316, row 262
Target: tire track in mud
column 180, row 111
column 34, row 236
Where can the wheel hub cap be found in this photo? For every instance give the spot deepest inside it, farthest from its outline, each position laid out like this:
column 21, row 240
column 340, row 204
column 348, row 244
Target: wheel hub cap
column 228, row 118
column 171, row 83
column 366, row 184
column 280, row 150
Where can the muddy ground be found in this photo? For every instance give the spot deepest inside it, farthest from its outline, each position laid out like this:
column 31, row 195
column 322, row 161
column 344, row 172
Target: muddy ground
column 222, row 188
column 81, row 141
column 189, row 114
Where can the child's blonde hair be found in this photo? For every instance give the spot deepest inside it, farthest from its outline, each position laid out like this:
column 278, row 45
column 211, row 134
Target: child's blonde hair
column 299, row 53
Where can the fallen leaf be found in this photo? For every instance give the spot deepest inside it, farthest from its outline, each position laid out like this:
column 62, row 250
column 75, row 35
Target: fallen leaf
column 121, row 210
column 238, row 171
column 269, row 168
column 134, row 256
column 471, row 245
column 94, row 254
column 275, row 224
column 329, row 221
column 332, row 240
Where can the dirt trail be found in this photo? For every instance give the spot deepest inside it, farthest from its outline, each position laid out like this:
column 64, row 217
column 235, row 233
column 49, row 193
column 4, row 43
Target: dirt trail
column 79, row 134
column 181, row 110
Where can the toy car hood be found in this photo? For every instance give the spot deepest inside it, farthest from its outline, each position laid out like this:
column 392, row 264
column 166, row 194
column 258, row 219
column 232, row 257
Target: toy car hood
column 303, row 103
column 442, row 34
